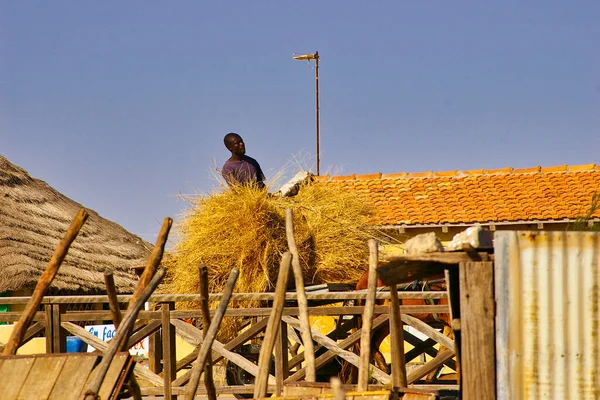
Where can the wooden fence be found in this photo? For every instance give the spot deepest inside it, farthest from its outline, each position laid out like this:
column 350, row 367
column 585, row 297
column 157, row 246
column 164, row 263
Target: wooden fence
column 163, row 322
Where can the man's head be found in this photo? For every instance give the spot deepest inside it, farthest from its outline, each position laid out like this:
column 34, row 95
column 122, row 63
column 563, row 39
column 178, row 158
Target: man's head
column 235, row 144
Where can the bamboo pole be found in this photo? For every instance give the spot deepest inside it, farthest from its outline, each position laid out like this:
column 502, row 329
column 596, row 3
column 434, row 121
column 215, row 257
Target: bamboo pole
column 111, row 292
column 44, row 283
column 205, row 349
column 264, row 358
column 309, row 349
column 211, row 392
column 121, row 337
column 365, row 339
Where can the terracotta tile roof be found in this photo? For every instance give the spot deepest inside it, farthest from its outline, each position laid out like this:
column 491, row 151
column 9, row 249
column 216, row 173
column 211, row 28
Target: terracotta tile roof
column 503, row 195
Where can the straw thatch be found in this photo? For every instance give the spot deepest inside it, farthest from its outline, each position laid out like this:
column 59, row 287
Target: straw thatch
column 34, row 218
column 245, row 227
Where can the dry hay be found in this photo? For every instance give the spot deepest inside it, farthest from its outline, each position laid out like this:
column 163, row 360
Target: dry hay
column 245, row 227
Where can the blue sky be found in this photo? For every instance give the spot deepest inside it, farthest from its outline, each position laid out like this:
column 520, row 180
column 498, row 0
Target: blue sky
column 123, row 105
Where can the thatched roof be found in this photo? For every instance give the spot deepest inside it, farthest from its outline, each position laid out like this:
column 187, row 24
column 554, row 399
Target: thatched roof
column 34, row 218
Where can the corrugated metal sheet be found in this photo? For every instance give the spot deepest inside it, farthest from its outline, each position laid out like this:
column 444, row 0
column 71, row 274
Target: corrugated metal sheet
column 547, row 307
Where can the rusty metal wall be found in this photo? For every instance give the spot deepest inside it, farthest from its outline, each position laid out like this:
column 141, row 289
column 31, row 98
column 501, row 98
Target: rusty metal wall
column 547, row 315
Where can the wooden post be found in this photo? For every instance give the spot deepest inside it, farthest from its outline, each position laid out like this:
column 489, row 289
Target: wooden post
column 453, row 289
column 155, row 349
column 154, row 260
column 209, row 382
column 309, row 349
column 207, row 342
column 397, row 339
column 336, row 388
column 264, row 358
column 365, row 339
column 477, row 314
column 169, row 351
column 43, row 284
column 120, row 339
column 153, row 263
column 111, row 292
column 59, row 335
column 282, row 369
column 49, row 326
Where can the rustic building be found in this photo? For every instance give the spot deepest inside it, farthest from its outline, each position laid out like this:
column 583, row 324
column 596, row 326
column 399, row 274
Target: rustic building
column 406, row 204
column 33, row 220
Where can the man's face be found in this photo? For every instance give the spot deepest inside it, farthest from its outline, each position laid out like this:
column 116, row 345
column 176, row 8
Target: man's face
column 236, row 145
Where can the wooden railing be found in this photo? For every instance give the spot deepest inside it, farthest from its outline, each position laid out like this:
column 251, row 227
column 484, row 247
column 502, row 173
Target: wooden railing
column 163, row 322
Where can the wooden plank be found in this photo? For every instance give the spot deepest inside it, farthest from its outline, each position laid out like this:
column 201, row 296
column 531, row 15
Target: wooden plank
column 201, row 391
column 73, row 376
column 162, row 298
column 477, row 330
column 346, row 355
column 168, row 345
column 13, row 374
column 428, row 330
column 41, row 378
column 114, row 375
column 429, row 366
column 329, row 355
column 367, row 321
column 408, row 271
column 266, row 350
column 147, row 330
column 445, row 257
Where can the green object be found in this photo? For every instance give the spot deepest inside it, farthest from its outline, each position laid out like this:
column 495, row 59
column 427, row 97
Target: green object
column 4, row 307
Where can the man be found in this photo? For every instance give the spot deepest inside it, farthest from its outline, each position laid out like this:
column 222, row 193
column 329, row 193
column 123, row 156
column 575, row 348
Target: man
column 241, row 169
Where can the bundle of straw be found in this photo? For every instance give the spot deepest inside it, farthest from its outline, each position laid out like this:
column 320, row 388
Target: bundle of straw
column 245, row 227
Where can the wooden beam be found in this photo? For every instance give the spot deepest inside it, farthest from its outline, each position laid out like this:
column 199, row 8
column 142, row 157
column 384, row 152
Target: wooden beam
column 113, row 303
column 282, row 369
column 266, row 350
column 209, row 382
column 478, row 369
column 168, row 350
column 432, row 365
column 367, row 321
column 397, row 342
column 309, row 349
column 429, row 331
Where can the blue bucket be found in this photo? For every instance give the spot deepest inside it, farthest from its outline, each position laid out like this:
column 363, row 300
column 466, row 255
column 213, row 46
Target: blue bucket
column 76, row 345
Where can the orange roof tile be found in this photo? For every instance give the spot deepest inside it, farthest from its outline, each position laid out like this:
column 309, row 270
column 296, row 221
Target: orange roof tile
column 501, row 195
